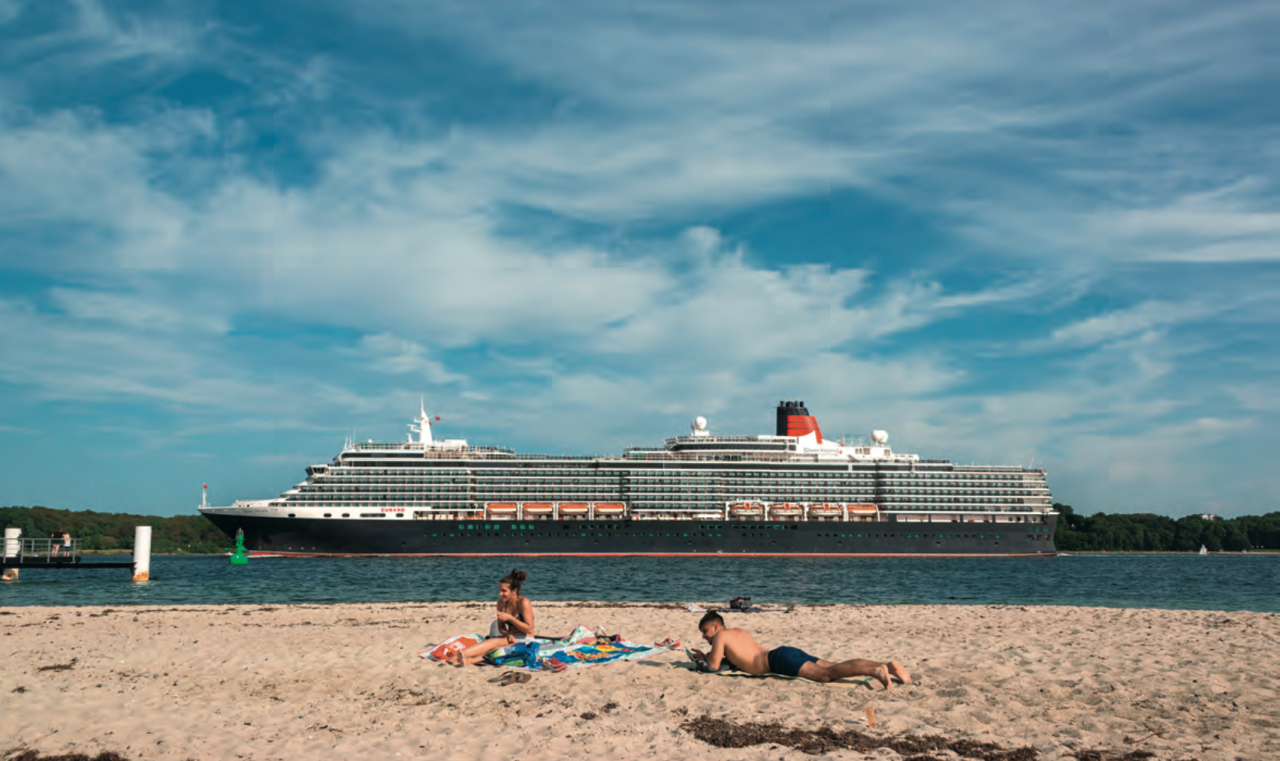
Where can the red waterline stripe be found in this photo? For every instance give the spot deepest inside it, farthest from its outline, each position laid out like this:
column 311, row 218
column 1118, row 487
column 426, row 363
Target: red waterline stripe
column 650, row 555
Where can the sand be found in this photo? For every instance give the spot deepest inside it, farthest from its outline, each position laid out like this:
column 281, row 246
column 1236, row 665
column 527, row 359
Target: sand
column 344, row 681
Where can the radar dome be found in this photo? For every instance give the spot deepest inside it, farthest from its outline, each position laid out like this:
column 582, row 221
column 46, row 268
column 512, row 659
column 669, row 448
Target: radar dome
column 879, row 437
column 700, row 423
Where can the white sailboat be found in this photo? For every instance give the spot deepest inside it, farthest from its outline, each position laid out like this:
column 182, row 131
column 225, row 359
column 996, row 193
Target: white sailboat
column 1204, row 550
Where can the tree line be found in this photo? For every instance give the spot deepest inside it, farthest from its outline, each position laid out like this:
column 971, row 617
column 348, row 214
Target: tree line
column 1146, row 532
column 182, row 534
column 1118, row 532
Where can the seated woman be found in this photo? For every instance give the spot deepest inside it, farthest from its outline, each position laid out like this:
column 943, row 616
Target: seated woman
column 514, row 622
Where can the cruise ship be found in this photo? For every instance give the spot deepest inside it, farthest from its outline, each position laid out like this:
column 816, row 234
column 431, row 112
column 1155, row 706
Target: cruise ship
column 793, row 493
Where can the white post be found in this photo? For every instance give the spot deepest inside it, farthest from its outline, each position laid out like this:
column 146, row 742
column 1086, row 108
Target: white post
column 11, row 547
column 141, row 553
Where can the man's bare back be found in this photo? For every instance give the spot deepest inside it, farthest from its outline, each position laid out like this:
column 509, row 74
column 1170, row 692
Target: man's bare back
column 739, row 648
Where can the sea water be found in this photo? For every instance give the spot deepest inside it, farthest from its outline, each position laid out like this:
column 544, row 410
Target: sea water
column 1188, row 582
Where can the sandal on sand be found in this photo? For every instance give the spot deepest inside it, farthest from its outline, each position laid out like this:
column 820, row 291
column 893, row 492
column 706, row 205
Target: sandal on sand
column 520, row 678
column 669, row 642
column 553, row 665
column 503, row 676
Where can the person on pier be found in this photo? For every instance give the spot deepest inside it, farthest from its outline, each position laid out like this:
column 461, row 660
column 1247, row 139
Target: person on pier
column 739, row 649
column 513, row 622
column 59, row 539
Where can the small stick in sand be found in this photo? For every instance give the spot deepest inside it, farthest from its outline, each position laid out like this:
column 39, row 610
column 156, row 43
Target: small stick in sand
column 871, row 716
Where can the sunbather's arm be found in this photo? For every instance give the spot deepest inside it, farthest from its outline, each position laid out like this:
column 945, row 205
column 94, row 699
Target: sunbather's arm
column 716, row 656
column 523, row 628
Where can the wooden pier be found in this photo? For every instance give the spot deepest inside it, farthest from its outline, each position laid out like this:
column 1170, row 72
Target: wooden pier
column 65, row 554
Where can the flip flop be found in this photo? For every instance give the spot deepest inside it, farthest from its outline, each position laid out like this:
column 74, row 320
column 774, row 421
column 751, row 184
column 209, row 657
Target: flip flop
column 520, row 678
column 553, row 665
column 503, row 676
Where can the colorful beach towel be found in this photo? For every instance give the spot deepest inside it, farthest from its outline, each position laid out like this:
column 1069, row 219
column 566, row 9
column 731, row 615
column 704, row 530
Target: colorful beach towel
column 568, row 652
column 581, row 656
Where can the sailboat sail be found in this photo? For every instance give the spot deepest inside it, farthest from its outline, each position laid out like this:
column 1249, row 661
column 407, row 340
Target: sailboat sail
column 1204, row 550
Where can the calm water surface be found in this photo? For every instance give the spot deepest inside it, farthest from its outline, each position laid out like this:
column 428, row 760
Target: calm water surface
column 1189, row 582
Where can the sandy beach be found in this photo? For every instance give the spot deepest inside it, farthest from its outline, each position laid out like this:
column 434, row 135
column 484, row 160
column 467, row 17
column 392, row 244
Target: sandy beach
column 344, row 681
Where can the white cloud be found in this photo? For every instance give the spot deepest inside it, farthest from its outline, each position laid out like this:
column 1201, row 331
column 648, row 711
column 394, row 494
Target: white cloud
column 1123, row 323
column 991, row 123
column 387, row 353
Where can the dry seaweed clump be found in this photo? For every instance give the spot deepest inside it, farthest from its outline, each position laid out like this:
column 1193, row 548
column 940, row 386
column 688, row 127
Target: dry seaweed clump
column 31, row 755
column 59, row 666
column 728, row 734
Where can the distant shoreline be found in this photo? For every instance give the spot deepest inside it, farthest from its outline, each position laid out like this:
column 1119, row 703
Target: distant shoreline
column 1167, row 552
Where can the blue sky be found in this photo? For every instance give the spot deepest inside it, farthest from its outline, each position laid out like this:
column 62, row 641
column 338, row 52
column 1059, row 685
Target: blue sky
column 1005, row 232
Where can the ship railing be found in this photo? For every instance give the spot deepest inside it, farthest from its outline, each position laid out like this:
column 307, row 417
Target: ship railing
column 731, row 456
column 432, row 448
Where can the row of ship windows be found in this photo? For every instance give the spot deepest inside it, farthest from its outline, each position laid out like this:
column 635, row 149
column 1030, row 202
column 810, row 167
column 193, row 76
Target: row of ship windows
column 798, row 495
column 667, row 495
column 330, row 485
column 707, row 506
column 524, row 475
column 678, row 482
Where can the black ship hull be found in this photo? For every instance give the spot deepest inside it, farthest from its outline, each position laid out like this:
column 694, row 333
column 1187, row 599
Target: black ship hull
column 628, row 537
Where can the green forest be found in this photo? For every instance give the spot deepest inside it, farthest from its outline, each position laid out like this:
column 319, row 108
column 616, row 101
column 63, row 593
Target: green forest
column 105, row 532
column 1146, row 532
column 1099, row 532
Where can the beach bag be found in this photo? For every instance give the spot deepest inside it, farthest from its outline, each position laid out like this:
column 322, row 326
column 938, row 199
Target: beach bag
column 521, row 655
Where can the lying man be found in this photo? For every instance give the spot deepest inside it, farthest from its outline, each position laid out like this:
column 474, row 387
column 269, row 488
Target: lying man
column 741, row 650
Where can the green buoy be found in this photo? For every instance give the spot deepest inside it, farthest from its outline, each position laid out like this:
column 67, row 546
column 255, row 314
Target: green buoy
column 241, row 555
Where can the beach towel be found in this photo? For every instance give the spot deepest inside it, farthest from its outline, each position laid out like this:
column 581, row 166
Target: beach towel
column 442, row 650
column 582, row 655
column 850, row 682
column 570, row 652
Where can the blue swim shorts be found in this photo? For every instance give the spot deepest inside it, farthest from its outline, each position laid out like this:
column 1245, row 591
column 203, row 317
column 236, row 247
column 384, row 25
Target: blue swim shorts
column 788, row 660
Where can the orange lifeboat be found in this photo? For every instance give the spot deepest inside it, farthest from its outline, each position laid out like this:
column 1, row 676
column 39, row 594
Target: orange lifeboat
column 785, row 511
column 500, row 507
column 610, row 508
column 826, row 511
column 746, row 509
column 537, row 508
column 573, row 508
column 863, row 509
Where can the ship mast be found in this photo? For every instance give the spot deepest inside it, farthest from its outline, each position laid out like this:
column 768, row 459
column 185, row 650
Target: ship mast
column 423, row 424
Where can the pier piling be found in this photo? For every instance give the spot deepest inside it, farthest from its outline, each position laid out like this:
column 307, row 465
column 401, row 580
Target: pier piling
column 11, row 547
column 141, row 553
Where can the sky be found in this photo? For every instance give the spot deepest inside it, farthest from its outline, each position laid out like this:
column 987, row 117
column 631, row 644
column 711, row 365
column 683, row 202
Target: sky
column 233, row 235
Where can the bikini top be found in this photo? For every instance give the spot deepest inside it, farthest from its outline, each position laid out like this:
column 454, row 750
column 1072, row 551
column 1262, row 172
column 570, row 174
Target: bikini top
column 507, row 628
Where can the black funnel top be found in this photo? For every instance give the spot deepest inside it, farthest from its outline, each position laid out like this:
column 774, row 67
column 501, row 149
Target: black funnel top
column 786, row 410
